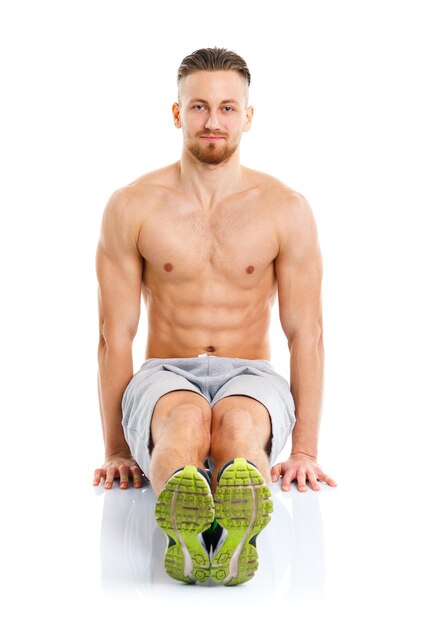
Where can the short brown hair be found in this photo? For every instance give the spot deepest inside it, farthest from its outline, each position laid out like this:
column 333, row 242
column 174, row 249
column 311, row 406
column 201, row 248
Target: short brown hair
column 212, row 59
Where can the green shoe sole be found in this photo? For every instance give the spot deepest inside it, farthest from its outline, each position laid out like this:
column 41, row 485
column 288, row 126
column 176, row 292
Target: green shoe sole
column 184, row 510
column 242, row 507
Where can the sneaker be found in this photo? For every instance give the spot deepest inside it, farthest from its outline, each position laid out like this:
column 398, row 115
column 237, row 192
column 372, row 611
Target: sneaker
column 211, row 537
column 242, row 508
column 184, row 510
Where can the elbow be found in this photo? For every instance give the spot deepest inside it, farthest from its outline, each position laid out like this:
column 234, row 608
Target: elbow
column 312, row 338
column 115, row 339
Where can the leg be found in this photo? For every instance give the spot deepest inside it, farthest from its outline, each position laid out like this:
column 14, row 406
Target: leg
column 241, row 430
column 241, row 427
column 180, row 434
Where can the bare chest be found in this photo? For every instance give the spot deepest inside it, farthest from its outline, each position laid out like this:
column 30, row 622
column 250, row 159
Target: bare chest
column 236, row 244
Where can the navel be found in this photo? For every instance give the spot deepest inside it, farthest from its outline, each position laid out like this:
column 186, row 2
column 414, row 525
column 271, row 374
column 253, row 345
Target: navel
column 210, row 349
column 168, row 267
column 250, row 269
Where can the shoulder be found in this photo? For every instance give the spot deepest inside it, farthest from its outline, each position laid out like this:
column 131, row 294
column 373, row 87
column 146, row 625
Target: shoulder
column 143, row 190
column 290, row 212
column 288, row 207
column 275, row 192
column 130, row 204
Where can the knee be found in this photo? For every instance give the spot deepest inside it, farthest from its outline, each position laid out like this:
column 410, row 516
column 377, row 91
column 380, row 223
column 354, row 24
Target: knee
column 233, row 422
column 191, row 418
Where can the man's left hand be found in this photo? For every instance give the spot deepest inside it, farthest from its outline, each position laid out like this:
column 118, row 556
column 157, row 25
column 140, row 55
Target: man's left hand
column 301, row 468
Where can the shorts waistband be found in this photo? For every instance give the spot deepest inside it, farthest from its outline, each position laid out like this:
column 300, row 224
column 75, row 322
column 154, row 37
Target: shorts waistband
column 221, row 361
column 210, row 356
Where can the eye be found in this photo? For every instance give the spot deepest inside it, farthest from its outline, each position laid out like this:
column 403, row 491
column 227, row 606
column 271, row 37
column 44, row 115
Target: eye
column 228, row 107
column 197, row 105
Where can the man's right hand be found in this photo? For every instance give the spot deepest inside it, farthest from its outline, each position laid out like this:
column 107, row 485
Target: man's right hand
column 120, row 465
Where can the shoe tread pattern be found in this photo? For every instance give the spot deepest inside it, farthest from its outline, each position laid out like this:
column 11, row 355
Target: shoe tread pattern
column 242, row 506
column 184, row 510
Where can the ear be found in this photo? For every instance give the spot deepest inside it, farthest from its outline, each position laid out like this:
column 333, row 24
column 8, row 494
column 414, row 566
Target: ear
column 249, row 117
column 176, row 114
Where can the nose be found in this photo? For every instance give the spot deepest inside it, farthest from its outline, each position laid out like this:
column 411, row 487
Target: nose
column 213, row 121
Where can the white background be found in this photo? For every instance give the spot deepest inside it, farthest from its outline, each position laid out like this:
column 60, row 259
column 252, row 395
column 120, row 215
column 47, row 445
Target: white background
column 87, row 89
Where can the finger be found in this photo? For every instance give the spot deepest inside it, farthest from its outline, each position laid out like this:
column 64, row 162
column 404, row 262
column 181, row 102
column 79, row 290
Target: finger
column 330, row 481
column 275, row 472
column 313, row 481
column 326, row 479
column 286, row 481
column 301, row 480
column 99, row 473
column 137, row 476
column 124, row 476
column 110, row 477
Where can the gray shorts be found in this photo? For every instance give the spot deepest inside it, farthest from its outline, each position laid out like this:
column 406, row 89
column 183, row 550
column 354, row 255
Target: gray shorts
column 213, row 377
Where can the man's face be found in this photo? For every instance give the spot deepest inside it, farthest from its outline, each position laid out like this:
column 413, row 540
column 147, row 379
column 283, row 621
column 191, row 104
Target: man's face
column 212, row 113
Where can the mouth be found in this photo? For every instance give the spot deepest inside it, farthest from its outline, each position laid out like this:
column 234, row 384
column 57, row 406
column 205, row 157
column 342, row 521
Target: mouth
column 211, row 138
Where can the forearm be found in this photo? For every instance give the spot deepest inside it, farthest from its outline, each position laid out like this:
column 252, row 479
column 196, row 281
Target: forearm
column 306, row 376
column 115, row 369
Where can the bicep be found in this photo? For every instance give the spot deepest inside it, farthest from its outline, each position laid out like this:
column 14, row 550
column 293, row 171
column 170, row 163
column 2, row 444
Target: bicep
column 119, row 272
column 299, row 271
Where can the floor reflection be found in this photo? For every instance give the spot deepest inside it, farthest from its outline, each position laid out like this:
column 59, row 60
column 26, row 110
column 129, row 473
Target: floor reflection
column 291, row 549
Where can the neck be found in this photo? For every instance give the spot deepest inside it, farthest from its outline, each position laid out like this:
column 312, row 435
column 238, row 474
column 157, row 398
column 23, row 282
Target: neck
column 207, row 182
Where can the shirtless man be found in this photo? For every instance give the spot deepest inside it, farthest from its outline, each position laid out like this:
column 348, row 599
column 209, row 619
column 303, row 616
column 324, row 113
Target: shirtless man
column 210, row 243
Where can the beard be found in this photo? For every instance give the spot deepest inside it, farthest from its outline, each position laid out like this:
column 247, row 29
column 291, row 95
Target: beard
column 211, row 153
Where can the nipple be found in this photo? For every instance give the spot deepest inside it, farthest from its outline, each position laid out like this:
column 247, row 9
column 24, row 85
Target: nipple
column 168, row 267
column 250, row 269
